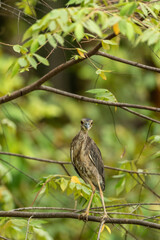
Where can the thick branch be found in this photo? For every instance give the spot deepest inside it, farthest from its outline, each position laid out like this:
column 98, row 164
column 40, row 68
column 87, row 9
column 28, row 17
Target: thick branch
column 78, row 217
column 52, row 73
column 135, row 64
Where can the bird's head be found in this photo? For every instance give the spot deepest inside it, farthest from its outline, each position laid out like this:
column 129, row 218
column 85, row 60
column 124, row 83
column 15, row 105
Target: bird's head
column 86, row 124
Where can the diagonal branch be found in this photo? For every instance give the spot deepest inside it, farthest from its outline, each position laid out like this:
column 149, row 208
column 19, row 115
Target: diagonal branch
column 135, row 64
column 32, row 87
column 93, row 100
column 78, row 217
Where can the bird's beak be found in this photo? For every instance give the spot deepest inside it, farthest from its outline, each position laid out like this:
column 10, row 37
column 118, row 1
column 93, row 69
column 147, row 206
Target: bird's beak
column 87, row 126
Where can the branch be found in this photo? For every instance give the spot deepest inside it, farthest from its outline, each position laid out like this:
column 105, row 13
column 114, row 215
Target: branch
column 141, row 115
column 127, row 205
column 63, row 162
column 82, row 210
column 135, row 64
column 52, row 73
column 78, row 217
column 93, row 100
column 25, row 174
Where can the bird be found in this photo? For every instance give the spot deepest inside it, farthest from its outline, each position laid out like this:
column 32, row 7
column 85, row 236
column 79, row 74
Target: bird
column 87, row 161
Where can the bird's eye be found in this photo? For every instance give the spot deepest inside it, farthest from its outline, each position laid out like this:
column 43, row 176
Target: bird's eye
column 81, row 122
column 91, row 123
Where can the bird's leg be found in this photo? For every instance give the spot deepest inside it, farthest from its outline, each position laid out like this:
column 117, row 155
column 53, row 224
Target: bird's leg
column 102, row 199
column 90, row 201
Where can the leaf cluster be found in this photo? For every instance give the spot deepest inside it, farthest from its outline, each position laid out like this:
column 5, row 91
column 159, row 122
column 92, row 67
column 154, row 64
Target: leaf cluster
column 71, row 185
column 93, row 20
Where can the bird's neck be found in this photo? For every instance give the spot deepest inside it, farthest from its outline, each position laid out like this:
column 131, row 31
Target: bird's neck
column 83, row 135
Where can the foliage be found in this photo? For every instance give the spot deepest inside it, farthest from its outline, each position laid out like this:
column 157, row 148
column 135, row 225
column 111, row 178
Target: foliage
column 103, row 94
column 72, row 185
column 16, row 229
column 136, row 20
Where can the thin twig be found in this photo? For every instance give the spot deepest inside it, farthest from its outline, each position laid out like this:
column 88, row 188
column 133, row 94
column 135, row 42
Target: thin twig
column 144, row 172
column 141, row 115
column 28, row 227
column 100, row 229
column 124, row 106
column 135, row 64
column 128, row 205
column 2, row 160
column 128, row 232
column 1, row 237
column 44, row 208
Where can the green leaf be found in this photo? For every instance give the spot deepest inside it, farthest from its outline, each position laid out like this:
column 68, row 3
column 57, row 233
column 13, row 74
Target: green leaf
column 126, row 29
column 27, row 34
column 79, row 31
column 106, row 44
column 144, row 9
column 72, row 185
column 28, row 43
column 59, row 38
column 34, row 46
column 150, row 10
column 22, row 62
column 156, row 155
column 112, row 21
column 17, row 48
column 154, row 139
column 157, row 46
column 32, row 61
column 15, row 69
column 53, row 184
column 130, row 182
column 146, row 35
column 93, row 27
column 103, row 94
column 41, row 39
column 52, row 25
column 64, row 184
column 51, row 40
column 128, row 9
column 154, row 38
column 41, row 59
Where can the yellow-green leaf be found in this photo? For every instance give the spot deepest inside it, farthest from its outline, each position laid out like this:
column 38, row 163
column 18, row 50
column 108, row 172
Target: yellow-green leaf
column 108, row 229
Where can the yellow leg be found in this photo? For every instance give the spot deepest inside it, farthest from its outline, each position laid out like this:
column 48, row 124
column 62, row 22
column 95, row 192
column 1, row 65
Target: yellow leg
column 85, row 215
column 102, row 199
column 91, row 198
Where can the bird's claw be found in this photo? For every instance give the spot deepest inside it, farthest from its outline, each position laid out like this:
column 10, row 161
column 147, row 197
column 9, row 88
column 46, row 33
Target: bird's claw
column 84, row 216
column 104, row 217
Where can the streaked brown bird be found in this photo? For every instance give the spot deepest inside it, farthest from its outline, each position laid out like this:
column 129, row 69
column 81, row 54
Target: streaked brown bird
column 87, row 161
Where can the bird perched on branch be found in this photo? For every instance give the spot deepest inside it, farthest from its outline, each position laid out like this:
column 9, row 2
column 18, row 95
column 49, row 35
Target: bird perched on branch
column 87, row 161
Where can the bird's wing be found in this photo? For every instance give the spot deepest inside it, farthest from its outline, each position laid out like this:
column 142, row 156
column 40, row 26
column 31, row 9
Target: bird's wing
column 72, row 160
column 96, row 158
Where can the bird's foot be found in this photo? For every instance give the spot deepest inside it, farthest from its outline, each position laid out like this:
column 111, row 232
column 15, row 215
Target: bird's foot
column 105, row 215
column 84, row 216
